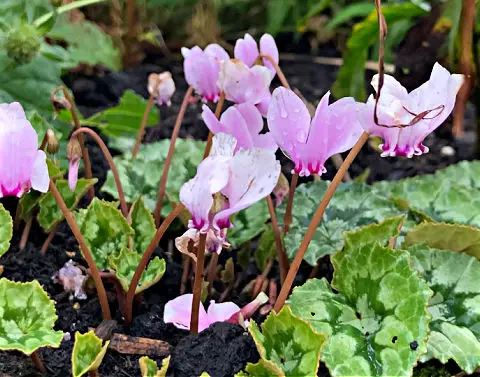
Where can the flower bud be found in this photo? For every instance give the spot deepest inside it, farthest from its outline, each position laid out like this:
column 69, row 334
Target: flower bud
column 52, row 142
column 23, row 44
column 74, row 154
column 165, row 87
column 281, row 189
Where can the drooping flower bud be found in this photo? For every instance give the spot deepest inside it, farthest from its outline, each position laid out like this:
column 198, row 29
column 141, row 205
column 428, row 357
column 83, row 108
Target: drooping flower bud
column 22, row 43
column 52, row 142
column 165, row 86
column 281, row 189
column 74, row 155
column 73, row 279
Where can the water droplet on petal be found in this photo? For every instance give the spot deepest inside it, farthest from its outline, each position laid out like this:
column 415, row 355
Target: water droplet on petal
column 283, row 112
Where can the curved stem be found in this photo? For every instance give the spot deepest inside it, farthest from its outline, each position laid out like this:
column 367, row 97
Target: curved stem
column 145, row 259
column 49, row 239
column 218, row 111
column 38, row 362
column 168, row 161
column 81, row 139
column 26, row 233
column 279, row 71
column 317, row 217
column 62, row 9
column 197, row 286
column 95, row 273
column 282, row 255
column 143, row 125
column 287, row 219
column 108, row 157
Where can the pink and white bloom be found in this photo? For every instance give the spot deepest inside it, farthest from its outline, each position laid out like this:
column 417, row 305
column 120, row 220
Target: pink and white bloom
column 165, row 89
column 246, row 49
column 202, row 68
column 22, row 165
column 406, row 119
column 236, row 181
column 73, row 279
column 178, row 311
column 244, row 122
column 310, row 142
column 242, row 84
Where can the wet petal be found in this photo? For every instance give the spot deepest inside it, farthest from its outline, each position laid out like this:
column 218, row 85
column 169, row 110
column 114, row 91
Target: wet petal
column 221, row 312
column 216, row 51
column 73, row 173
column 246, row 50
column 179, row 310
column 268, row 46
column 40, row 178
column 223, row 145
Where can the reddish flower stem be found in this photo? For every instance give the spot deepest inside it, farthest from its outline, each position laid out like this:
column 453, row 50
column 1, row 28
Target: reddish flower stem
column 287, row 219
column 281, row 254
column 218, row 111
column 143, row 125
column 277, row 68
column 145, row 259
column 197, row 286
column 26, row 232
column 81, row 139
column 38, row 362
column 49, row 239
column 317, row 217
column 108, row 157
column 168, row 161
column 102, row 294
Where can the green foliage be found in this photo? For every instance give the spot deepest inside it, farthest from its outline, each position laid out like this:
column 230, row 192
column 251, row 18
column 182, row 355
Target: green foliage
column 266, row 248
column 22, row 43
column 149, row 367
column 349, row 12
column 12, row 11
column 143, row 225
column 87, row 43
column 27, row 317
column 342, row 214
column 50, row 214
column 141, row 176
column 105, row 230
column 122, row 120
column 288, row 346
column 6, row 230
column 127, row 262
column 378, row 322
column 351, row 77
column 88, row 353
column 455, row 305
column 248, row 223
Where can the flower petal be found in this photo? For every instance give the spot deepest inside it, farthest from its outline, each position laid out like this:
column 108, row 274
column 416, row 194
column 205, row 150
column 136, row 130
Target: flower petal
column 179, row 310
column 268, row 46
column 221, row 312
column 246, row 50
column 39, row 178
column 217, row 51
column 223, row 145
column 235, row 125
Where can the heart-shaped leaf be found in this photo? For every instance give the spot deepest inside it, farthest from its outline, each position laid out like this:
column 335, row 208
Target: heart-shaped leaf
column 50, row 214
column 455, row 305
column 125, row 265
column 149, row 367
column 88, row 353
column 6, row 230
column 378, row 322
column 105, row 230
column 454, row 237
column 143, row 225
column 27, row 317
column 288, row 346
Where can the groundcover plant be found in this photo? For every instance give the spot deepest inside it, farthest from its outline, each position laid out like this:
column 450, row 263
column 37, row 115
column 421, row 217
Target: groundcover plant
column 189, row 222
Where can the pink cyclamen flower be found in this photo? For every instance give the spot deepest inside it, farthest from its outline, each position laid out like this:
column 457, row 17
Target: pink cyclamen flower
column 22, row 165
column 178, row 311
column 166, row 87
column 244, row 122
column 246, row 49
column 202, row 68
column 406, row 119
column 242, row 84
column 226, row 184
column 310, row 142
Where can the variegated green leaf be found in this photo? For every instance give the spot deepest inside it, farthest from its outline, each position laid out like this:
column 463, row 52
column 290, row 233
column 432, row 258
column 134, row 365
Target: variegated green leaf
column 88, row 353
column 27, row 317
column 6, row 230
column 149, row 367
column 143, row 224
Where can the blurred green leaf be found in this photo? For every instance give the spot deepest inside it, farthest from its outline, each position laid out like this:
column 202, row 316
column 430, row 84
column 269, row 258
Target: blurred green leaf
column 361, row 9
column 88, row 353
column 149, row 367
column 6, row 230
column 143, row 225
column 248, row 224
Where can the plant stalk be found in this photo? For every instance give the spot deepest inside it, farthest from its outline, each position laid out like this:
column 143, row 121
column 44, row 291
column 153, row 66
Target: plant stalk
column 38, row 362
column 102, row 294
column 49, row 239
column 218, row 111
column 287, row 219
column 281, row 254
column 111, row 163
column 145, row 259
column 168, row 161
column 279, row 71
column 81, row 139
column 317, row 217
column 62, row 9
column 143, row 125
column 26, row 233
column 197, row 287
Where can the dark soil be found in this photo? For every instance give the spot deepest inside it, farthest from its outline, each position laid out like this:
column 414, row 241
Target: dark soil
column 222, row 349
